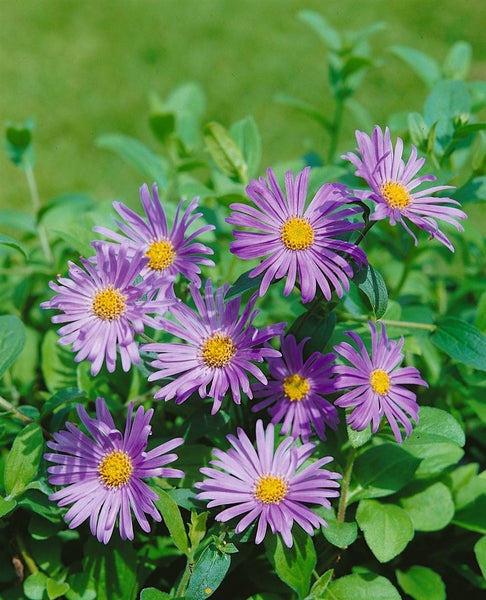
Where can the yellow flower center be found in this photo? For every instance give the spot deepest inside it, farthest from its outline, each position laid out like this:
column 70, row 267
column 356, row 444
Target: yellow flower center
column 270, row 489
column 115, row 469
column 395, row 194
column 295, row 388
column 217, row 351
column 109, row 304
column 380, row 382
column 296, row 234
column 161, row 254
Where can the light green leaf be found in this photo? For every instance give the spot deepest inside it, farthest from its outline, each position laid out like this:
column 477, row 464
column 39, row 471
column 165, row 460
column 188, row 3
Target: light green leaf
column 480, row 552
column 319, row 24
column 321, row 585
column 153, row 594
column 425, row 66
column 430, row 507
column 447, row 100
column 387, row 528
column 173, row 520
column 293, row 565
column 245, row 133
column 461, row 341
column 56, row 589
column 338, row 534
column 421, row 583
column 6, row 506
column 208, row 573
column 58, row 366
column 12, row 340
column 305, row 108
column 458, row 61
column 225, row 151
column 197, row 528
column 6, row 240
column 137, row 155
column 367, row 586
column 23, row 459
column 35, row 585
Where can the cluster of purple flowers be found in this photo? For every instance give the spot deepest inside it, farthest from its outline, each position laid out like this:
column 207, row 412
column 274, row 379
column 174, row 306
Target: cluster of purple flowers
column 129, row 285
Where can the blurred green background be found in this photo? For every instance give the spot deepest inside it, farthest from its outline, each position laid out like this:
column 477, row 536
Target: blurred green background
column 82, row 69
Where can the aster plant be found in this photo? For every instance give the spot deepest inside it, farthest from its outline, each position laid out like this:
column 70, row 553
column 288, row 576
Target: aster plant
column 219, row 351
column 394, row 184
column 102, row 308
column 296, row 242
column 268, row 484
column 170, row 250
column 377, row 386
column 296, row 390
column 102, row 475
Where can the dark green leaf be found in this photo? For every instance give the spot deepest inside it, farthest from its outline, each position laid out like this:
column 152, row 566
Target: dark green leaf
column 18, row 141
column 12, row 340
column 425, row 66
column 6, row 506
column 60, row 398
column 137, row 155
column 421, row 583
column 461, row 341
column 208, row 573
column 225, row 151
column 23, row 459
column 473, row 515
column 383, row 470
column 243, row 284
column 6, row 240
column 293, row 565
column 162, row 125
column 316, row 325
column 387, row 528
column 367, row 586
column 371, row 283
column 173, row 520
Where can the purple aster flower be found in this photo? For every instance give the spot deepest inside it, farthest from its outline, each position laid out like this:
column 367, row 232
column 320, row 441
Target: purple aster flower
column 103, row 476
column 294, row 393
column 376, row 385
column 102, row 308
column 220, row 350
column 297, row 241
column 169, row 251
column 392, row 183
column 268, row 484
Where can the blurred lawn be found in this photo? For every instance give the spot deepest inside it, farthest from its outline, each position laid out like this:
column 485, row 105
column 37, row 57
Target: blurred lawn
column 82, row 69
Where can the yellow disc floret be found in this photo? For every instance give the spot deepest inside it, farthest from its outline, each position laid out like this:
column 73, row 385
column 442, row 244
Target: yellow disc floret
column 161, row 254
column 109, row 304
column 217, row 351
column 295, row 387
column 395, row 194
column 380, row 382
column 115, row 469
column 270, row 489
column 297, row 234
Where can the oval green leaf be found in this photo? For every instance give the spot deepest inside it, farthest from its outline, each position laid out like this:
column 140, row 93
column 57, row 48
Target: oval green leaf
column 461, row 341
column 12, row 340
column 23, row 459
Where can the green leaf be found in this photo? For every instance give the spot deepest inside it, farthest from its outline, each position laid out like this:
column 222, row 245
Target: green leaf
column 305, row 108
column 357, row 438
column 318, row 325
column 387, row 528
column 35, row 585
column 243, row 284
column 23, row 459
column 173, row 520
column 425, row 66
column 153, row 594
column 18, row 142
column 245, row 133
column 371, row 283
column 68, row 203
column 60, row 398
column 421, row 583
column 187, row 102
column 461, row 341
column 12, row 340
column 417, row 128
column 367, row 586
column 458, row 61
column 293, row 565
column 320, row 586
column 137, row 155
column 447, row 100
column 225, row 151
column 318, row 23
column 383, row 470
column 480, row 553
column 208, row 573
column 473, row 515
column 430, row 507
column 17, row 219
column 338, row 534
column 6, row 506
column 5, row 240
column 162, row 125
column 58, row 366
column 197, row 528
column 56, row 589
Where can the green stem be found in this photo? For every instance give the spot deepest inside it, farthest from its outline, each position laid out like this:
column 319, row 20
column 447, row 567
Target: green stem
column 403, row 324
column 34, row 194
column 28, row 560
column 346, row 480
column 336, row 130
column 181, row 588
column 8, row 406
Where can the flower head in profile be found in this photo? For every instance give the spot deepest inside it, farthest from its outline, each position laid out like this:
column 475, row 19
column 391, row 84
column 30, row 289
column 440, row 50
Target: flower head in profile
column 376, row 383
column 294, row 394
column 219, row 350
column 297, row 242
column 394, row 184
column 269, row 485
column 169, row 250
column 102, row 308
column 102, row 475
